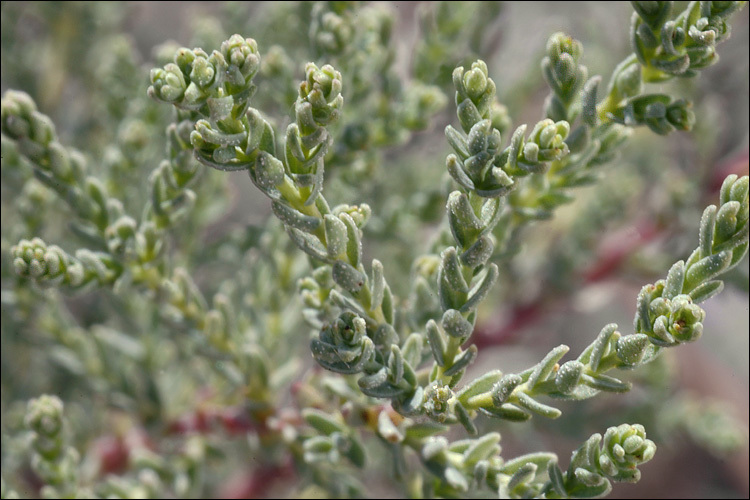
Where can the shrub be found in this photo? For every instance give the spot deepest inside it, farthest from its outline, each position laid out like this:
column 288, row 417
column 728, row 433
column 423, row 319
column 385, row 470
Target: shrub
column 206, row 345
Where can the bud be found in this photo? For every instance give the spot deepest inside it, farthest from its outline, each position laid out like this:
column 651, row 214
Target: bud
column 167, row 84
column 242, row 53
column 632, row 348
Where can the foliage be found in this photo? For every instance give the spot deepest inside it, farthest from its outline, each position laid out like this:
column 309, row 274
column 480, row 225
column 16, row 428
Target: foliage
column 181, row 342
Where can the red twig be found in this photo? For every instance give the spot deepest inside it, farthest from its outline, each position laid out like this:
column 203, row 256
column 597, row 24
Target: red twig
column 615, row 250
column 737, row 164
column 611, row 255
column 231, row 420
column 258, row 482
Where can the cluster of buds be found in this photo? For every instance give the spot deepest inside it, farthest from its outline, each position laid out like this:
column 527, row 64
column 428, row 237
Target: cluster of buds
column 479, row 164
column 336, row 439
column 615, row 457
column 54, row 461
column 681, row 46
column 196, row 81
column 659, row 112
column 343, row 346
column 563, row 74
column 50, row 265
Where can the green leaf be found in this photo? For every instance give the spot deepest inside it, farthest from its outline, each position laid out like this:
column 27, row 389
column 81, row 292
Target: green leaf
column 464, row 419
column 600, row 345
column 425, row 429
column 605, row 383
column 354, row 242
column 462, row 361
column 336, row 236
column 480, row 385
column 544, row 368
column 294, row 218
column 481, row 289
column 322, row 422
column 675, row 280
column 482, row 448
column 347, row 277
column 436, row 341
column 452, row 287
column 540, row 459
column 355, row 451
column 507, row 412
column 706, row 291
column 378, row 284
column 531, row 404
column 706, row 269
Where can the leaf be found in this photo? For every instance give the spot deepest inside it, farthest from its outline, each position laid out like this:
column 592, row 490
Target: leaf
column 322, row 422
column 479, row 386
column 507, row 412
column 425, row 429
column 544, row 368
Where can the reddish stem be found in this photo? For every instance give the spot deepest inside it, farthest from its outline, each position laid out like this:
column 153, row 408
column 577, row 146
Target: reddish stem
column 257, row 483
column 612, row 254
column 232, row 420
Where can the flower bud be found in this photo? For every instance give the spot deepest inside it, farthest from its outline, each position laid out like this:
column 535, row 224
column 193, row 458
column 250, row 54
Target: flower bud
column 243, row 54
